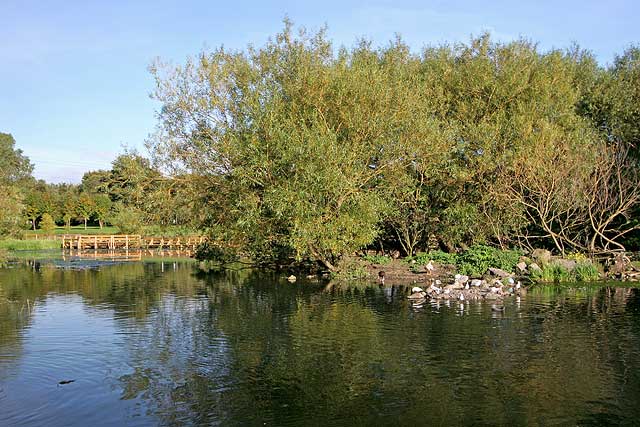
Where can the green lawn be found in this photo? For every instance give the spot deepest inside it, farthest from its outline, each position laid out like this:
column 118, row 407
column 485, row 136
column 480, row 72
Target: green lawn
column 78, row 229
column 146, row 231
column 29, row 245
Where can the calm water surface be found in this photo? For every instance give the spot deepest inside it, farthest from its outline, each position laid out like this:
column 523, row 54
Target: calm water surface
column 151, row 343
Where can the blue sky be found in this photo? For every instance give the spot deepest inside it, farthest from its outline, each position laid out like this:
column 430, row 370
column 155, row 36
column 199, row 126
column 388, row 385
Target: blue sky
column 74, row 85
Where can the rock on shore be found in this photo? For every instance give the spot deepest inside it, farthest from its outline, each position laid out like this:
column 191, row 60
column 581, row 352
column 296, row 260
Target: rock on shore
column 462, row 289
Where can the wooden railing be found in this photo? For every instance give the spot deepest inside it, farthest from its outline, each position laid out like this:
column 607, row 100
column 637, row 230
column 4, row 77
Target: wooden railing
column 127, row 241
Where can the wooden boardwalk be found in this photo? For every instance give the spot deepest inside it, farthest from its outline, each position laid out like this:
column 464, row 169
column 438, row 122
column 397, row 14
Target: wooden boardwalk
column 127, row 241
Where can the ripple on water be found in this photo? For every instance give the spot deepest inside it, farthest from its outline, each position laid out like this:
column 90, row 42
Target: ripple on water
column 149, row 347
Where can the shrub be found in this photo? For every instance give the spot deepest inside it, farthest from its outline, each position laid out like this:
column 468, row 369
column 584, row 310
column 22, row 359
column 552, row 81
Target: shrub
column 441, row 257
column 479, row 258
column 555, row 273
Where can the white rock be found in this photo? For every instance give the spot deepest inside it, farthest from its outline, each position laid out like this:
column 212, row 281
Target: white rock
column 476, row 282
column 292, row 278
column 416, row 289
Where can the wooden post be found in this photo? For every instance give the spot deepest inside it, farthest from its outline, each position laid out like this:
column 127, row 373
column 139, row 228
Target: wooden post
column 126, row 242
column 79, row 243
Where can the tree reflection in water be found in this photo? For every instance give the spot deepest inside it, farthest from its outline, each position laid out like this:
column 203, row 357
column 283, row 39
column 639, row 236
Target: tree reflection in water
column 248, row 347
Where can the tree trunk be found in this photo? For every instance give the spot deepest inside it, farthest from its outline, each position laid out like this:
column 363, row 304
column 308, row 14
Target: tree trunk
column 322, row 259
column 34, row 224
column 100, row 222
column 85, row 223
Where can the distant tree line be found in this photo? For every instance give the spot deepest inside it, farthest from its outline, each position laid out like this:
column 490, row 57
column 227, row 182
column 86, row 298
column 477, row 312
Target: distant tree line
column 299, row 149
column 132, row 195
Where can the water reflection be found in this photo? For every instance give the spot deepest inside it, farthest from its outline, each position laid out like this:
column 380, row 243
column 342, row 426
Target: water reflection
column 154, row 343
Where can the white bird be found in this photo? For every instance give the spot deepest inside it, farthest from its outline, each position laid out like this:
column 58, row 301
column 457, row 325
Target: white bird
column 430, row 267
column 461, row 297
column 466, row 286
column 518, row 285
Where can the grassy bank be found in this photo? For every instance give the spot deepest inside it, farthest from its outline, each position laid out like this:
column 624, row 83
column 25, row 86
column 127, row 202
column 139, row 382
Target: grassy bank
column 172, row 231
column 76, row 229
column 28, row 245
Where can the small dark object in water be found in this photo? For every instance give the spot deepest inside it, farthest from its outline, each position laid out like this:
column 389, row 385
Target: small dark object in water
column 66, row 382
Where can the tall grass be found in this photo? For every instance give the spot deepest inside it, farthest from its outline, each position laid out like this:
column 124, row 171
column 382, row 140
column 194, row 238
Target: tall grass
column 585, row 271
column 29, row 245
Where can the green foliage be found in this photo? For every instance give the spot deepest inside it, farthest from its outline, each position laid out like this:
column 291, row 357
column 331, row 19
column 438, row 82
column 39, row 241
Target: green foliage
column 297, row 150
column 479, row 258
column 304, row 147
column 85, row 207
column 212, row 252
column 169, row 231
column 47, row 225
column 127, row 219
column 10, row 210
column 584, row 271
column 350, row 269
column 101, row 207
column 77, row 229
column 438, row 256
column 553, row 272
column 377, row 259
column 3, row 258
column 475, row 261
column 15, row 167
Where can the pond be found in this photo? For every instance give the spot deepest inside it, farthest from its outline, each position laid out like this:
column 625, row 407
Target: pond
column 156, row 343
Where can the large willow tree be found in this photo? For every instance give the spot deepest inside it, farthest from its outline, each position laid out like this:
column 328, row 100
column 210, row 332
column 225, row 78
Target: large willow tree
column 301, row 149
column 15, row 174
column 295, row 138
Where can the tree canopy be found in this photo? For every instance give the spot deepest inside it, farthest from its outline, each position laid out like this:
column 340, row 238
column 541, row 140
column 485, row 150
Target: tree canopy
column 320, row 151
